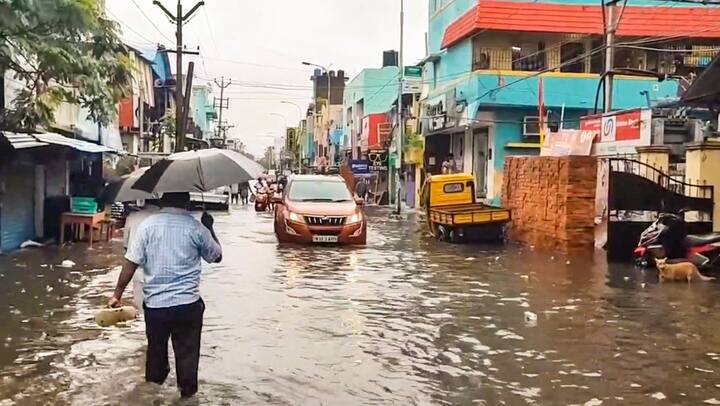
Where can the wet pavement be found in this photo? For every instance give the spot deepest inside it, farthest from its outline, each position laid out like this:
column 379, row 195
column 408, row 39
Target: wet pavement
column 406, row 320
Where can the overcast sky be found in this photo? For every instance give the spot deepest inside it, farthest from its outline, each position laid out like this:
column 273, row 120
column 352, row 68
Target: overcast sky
column 262, row 43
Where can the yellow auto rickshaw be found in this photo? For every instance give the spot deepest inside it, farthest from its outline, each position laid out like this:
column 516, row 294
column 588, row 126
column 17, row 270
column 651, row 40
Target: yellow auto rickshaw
column 455, row 215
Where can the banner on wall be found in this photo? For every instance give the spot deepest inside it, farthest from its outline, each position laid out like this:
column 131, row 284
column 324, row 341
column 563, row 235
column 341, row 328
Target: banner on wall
column 568, row 142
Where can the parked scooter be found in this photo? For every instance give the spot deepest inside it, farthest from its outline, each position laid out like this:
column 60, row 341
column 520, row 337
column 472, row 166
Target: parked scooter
column 667, row 237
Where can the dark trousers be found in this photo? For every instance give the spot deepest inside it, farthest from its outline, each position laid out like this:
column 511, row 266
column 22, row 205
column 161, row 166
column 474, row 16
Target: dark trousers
column 183, row 325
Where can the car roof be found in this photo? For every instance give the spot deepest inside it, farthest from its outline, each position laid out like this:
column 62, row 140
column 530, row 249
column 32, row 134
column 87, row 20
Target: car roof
column 317, row 178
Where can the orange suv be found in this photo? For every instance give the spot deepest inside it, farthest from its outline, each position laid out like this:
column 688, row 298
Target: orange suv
column 319, row 209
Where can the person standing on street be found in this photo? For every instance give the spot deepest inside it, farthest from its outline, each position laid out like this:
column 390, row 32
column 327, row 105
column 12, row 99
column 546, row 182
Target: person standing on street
column 170, row 246
column 244, row 192
column 132, row 223
column 234, row 193
column 449, row 165
column 361, row 189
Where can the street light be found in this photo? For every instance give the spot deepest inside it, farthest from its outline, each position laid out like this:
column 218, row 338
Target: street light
column 296, row 106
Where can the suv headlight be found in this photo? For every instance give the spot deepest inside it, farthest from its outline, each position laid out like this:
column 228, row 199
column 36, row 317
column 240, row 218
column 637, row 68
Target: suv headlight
column 292, row 216
column 355, row 218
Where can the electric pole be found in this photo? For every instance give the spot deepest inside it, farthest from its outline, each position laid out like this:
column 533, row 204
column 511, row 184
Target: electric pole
column 609, row 9
column 222, row 104
column 401, row 123
column 179, row 19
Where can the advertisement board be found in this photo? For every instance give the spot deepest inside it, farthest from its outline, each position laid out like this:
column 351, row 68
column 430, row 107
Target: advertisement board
column 619, row 132
column 568, row 142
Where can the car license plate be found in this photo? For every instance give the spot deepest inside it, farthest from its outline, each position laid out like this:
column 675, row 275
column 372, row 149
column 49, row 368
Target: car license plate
column 325, row 238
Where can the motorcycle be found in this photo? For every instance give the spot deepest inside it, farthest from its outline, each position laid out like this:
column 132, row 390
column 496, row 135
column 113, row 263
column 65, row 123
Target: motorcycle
column 667, row 237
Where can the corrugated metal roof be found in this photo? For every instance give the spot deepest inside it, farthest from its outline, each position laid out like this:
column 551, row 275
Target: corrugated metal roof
column 84, row 146
column 22, row 140
column 695, row 22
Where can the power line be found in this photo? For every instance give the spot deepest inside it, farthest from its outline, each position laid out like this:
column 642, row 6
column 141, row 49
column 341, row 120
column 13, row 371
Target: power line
column 129, row 27
column 151, row 21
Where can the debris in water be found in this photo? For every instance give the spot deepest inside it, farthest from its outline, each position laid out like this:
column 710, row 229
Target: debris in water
column 31, row 244
column 49, row 289
column 635, row 385
column 627, row 278
column 592, row 374
column 658, row 396
column 530, row 319
column 641, row 352
column 552, row 258
column 707, row 371
column 470, row 259
column 67, row 264
column 497, row 258
column 642, row 285
column 712, row 401
column 525, row 277
column 594, row 402
column 567, row 262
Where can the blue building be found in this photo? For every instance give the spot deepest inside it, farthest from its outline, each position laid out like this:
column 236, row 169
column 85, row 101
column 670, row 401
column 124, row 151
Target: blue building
column 486, row 60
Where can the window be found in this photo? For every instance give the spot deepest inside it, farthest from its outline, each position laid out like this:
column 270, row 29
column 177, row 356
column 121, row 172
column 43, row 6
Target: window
column 454, row 188
column 319, row 191
column 571, row 57
column 530, row 57
column 480, row 56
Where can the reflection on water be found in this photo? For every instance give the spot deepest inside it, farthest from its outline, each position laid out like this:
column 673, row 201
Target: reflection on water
column 406, row 320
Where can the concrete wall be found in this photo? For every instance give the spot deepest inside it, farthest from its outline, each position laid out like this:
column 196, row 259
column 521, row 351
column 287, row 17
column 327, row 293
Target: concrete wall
column 552, row 200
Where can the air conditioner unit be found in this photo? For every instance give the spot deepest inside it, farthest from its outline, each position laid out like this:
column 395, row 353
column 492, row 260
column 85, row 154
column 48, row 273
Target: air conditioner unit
column 531, row 126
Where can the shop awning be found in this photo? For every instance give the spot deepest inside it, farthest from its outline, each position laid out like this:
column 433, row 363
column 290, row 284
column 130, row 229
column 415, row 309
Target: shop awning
column 21, row 140
column 80, row 145
column 637, row 21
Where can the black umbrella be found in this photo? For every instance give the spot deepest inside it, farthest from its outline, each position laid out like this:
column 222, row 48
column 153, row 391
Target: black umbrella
column 198, row 171
column 120, row 189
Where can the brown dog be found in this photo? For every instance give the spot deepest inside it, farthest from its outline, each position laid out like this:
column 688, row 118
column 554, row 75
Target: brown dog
column 678, row 272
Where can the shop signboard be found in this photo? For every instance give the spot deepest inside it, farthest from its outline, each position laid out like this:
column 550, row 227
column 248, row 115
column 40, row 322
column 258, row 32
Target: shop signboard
column 436, row 112
column 412, row 80
column 619, row 132
column 378, row 160
column 360, row 166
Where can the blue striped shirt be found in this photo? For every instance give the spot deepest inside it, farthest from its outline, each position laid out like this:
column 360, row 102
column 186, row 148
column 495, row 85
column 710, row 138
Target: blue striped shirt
column 169, row 246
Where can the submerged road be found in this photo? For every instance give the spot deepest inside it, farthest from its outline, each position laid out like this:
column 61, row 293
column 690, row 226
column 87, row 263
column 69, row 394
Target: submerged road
column 406, row 320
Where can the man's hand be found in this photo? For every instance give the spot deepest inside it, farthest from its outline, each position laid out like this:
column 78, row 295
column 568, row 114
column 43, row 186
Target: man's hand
column 207, row 220
column 114, row 302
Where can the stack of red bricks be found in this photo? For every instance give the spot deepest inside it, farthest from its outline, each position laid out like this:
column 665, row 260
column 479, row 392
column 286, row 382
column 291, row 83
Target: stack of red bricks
column 552, row 200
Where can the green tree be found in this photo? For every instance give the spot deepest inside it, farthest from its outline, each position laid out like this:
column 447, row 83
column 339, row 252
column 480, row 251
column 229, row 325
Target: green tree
column 61, row 51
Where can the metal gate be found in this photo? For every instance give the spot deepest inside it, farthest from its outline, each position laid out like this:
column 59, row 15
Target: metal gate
column 638, row 192
column 17, row 208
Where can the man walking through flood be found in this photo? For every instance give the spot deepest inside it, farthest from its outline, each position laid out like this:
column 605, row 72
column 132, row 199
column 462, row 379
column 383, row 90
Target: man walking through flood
column 170, row 246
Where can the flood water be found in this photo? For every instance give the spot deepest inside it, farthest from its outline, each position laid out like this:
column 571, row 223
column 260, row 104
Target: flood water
column 406, row 320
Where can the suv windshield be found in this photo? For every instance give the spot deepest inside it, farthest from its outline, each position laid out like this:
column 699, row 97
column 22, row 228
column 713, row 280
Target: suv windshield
column 319, row 191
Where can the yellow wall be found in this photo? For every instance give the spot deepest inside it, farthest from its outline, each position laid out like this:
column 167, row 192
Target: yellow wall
column 703, row 167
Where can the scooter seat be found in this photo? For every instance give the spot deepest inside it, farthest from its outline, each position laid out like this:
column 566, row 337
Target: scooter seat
column 698, row 240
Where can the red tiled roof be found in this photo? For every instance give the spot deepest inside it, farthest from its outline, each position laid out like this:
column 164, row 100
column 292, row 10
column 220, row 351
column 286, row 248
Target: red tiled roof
column 697, row 22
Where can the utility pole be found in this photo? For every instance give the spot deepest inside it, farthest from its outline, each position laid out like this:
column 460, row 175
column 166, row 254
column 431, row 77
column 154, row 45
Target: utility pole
column 222, row 104
column 179, row 19
column 609, row 8
column 401, row 123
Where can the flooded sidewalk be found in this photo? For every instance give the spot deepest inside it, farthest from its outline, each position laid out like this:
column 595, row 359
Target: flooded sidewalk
column 406, row 320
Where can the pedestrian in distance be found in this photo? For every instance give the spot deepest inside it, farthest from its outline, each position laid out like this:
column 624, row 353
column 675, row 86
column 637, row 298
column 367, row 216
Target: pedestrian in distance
column 361, row 189
column 234, row 193
column 244, row 192
column 449, row 165
column 170, row 246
